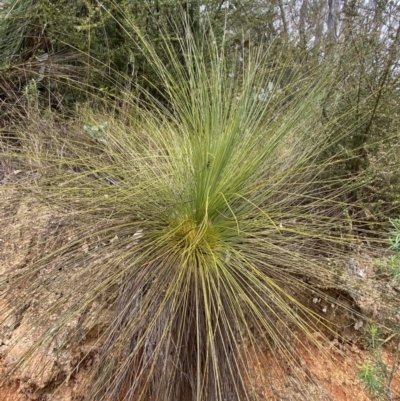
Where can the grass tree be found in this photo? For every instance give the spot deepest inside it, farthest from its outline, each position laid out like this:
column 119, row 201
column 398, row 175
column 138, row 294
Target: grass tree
column 203, row 226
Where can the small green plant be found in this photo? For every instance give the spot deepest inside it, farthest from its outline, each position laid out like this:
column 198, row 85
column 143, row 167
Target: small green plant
column 97, row 132
column 374, row 336
column 373, row 375
column 395, row 235
column 393, row 262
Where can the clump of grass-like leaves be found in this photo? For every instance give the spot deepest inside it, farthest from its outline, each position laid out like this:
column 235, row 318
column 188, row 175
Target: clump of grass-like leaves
column 202, row 224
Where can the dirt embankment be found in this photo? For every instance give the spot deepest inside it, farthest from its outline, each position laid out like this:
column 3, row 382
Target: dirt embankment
column 29, row 230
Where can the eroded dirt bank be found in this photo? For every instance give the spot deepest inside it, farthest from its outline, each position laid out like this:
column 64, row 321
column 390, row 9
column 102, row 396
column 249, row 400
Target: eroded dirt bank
column 29, row 230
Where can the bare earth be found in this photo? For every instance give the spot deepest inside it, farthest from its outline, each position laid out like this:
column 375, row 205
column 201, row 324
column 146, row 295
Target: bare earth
column 28, row 230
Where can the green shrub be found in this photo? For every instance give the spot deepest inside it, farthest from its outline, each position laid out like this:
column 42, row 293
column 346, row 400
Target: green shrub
column 203, row 225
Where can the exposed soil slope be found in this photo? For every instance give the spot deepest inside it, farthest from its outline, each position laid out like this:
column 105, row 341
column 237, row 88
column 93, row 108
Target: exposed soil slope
column 30, row 230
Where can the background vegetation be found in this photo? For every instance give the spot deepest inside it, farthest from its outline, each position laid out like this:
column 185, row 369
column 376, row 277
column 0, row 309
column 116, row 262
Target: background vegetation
column 67, row 46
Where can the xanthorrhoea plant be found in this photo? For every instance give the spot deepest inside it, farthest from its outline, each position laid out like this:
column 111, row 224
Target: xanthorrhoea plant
column 200, row 226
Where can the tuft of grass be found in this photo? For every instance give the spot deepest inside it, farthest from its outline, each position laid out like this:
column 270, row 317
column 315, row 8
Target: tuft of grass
column 373, row 376
column 203, row 225
column 395, row 235
column 393, row 262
